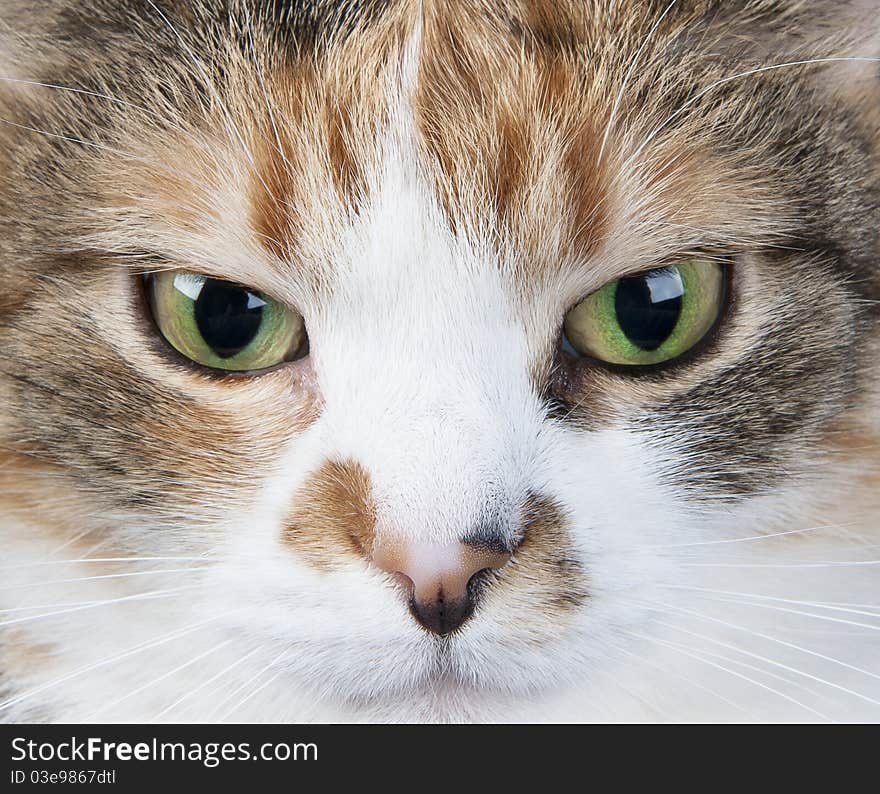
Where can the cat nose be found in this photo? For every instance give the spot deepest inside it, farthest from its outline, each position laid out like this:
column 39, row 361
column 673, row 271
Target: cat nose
column 438, row 577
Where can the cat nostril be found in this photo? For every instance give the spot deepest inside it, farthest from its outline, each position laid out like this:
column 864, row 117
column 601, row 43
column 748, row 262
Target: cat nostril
column 440, row 579
column 442, row 616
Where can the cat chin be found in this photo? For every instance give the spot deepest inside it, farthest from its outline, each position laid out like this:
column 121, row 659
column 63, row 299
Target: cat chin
column 424, row 673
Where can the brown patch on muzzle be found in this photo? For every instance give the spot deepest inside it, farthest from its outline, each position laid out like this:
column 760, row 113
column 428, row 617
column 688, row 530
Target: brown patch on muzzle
column 546, row 565
column 333, row 517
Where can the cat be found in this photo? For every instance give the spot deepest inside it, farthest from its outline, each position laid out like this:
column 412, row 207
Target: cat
column 439, row 361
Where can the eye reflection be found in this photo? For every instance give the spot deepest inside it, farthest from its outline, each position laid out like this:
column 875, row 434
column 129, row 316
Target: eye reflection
column 648, row 306
column 229, row 318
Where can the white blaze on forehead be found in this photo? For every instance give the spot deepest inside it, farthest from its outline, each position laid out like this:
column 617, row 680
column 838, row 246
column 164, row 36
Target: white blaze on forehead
column 422, row 364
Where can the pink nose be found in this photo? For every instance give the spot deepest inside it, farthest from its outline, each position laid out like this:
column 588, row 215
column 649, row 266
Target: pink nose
column 439, row 577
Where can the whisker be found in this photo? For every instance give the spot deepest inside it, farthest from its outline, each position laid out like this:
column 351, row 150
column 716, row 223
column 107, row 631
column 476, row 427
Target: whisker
column 210, row 716
column 129, row 575
column 856, row 609
column 81, row 91
column 774, row 663
column 90, row 560
column 619, row 685
column 250, row 696
column 745, row 539
column 70, row 541
column 775, row 608
column 793, row 646
column 155, row 681
column 724, row 80
column 696, row 655
column 159, row 166
column 139, row 648
column 632, row 65
column 777, row 676
column 170, row 124
column 90, row 602
column 210, row 85
column 822, row 564
column 92, row 605
column 689, row 681
column 206, row 683
column 258, row 68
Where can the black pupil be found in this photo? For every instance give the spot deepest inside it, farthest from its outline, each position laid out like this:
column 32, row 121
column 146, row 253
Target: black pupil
column 227, row 316
column 648, row 306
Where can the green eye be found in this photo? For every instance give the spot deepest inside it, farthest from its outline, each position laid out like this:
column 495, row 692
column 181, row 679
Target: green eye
column 223, row 325
column 648, row 318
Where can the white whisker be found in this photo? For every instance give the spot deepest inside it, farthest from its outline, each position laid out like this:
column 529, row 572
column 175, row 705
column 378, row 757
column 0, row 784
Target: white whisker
column 698, row 656
column 856, row 609
column 632, row 65
column 90, row 560
column 156, row 680
column 128, row 575
column 822, row 564
column 726, row 541
column 62, row 605
column 249, row 696
column 791, row 645
column 689, row 681
column 128, row 653
column 206, row 683
column 70, row 541
column 92, row 605
column 210, row 85
column 775, row 608
column 102, row 147
column 210, row 716
column 258, row 69
column 724, row 80
column 115, row 100
column 773, row 662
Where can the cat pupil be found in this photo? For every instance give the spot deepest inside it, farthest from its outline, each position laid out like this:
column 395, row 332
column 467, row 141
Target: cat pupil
column 226, row 317
column 648, row 306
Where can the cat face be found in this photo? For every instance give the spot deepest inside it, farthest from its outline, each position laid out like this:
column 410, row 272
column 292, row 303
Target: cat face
column 379, row 362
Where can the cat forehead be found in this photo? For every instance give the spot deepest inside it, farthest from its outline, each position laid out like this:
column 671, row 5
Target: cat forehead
column 460, row 132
